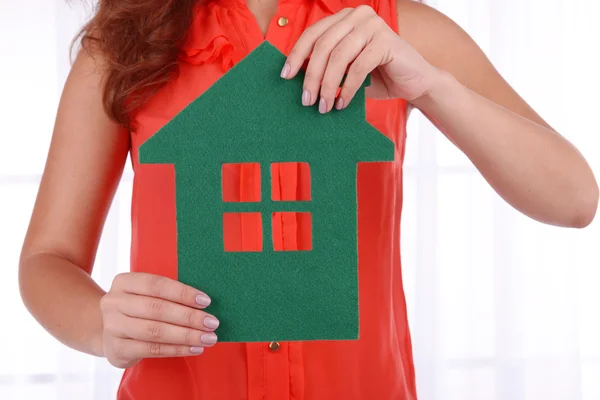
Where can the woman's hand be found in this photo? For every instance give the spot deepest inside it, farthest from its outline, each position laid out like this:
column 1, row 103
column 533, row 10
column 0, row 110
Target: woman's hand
column 359, row 42
column 148, row 316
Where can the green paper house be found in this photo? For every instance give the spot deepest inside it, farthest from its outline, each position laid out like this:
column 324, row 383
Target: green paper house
column 251, row 115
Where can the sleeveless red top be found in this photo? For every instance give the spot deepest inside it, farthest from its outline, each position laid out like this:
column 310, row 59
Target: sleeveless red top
column 379, row 365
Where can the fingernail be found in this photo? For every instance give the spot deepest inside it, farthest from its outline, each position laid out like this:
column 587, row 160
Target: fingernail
column 211, row 323
column 202, row 300
column 285, row 71
column 196, row 350
column 339, row 104
column 305, row 97
column 209, row 338
column 322, row 106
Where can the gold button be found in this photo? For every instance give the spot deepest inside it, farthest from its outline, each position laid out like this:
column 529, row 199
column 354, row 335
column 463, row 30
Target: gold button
column 282, row 21
column 274, row 346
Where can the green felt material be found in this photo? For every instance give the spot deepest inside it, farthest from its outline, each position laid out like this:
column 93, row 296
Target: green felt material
column 252, row 115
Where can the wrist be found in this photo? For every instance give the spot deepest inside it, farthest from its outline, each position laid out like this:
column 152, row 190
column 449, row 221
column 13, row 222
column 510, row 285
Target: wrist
column 97, row 337
column 97, row 343
column 439, row 84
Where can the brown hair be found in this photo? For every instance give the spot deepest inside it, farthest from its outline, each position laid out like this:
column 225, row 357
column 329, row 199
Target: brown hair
column 139, row 41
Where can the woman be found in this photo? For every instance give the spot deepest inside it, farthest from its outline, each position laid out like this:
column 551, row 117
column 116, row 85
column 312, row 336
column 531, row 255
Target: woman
column 143, row 62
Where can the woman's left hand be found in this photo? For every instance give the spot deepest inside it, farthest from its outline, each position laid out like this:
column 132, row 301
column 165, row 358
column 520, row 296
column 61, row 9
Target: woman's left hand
column 358, row 42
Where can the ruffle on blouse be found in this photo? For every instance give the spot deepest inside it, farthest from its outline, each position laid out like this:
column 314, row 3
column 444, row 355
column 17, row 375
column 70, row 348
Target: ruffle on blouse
column 218, row 49
column 207, row 41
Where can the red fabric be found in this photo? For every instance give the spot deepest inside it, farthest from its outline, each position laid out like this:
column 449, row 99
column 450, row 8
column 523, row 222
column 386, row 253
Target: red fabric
column 377, row 366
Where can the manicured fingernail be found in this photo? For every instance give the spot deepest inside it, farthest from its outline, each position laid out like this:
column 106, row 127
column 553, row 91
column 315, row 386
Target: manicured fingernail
column 322, row 106
column 209, row 338
column 211, row 323
column 285, row 71
column 202, row 300
column 196, row 350
column 305, row 97
column 339, row 104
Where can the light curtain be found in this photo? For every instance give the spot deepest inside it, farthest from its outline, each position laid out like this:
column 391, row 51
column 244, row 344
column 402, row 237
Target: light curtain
column 501, row 307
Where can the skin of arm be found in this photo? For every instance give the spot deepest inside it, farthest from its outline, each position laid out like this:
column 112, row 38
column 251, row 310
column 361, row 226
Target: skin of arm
column 84, row 165
column 524, row 159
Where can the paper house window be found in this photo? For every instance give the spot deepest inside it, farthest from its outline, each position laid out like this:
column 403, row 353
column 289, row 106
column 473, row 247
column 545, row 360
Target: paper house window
column 290, row 227
column 233, row 176
column 293, row 191
column 300, row 225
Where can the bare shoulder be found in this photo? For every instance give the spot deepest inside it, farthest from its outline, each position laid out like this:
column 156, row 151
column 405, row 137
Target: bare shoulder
column 439, row 39
column 86, row 77
column 445, row 45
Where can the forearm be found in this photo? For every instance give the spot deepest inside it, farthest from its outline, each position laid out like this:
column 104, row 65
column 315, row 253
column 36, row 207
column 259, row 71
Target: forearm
column 532, row 167
column 64, row 300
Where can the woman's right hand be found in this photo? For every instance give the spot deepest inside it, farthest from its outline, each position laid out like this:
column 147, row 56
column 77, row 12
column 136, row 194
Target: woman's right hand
column 150, row 316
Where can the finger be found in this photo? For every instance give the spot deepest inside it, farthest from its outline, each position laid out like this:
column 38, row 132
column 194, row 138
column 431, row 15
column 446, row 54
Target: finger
column 342, row 55
column 369, row 59
column 160, row 287
column 130, row 349
column 156, row 309
column 305, row 43
column 160, row 332
column 320, row 57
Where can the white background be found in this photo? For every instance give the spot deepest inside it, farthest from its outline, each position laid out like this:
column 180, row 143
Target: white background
column 501, row 307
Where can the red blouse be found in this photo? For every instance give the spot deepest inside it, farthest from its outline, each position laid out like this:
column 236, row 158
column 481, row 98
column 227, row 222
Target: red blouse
column 379, row 365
